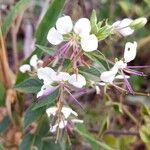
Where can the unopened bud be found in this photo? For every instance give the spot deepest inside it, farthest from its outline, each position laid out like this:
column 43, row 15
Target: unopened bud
column 138, row 23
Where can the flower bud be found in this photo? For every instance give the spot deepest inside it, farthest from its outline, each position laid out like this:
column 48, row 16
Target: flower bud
column 138, row 23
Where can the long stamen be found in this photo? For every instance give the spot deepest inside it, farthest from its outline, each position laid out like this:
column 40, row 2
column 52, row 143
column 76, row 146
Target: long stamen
column 139, row 73
column 73, row 98
column 127, row 83
column 134, row 67
column 63, row 49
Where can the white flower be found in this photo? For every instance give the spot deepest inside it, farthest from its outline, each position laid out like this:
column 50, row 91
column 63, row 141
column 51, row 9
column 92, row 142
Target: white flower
column 35, row 63
column 82, row 28
column 89, row 43
column 66, row 111
column 130, row 51
column 24, row 68
column 123, row 27
column 77, row 80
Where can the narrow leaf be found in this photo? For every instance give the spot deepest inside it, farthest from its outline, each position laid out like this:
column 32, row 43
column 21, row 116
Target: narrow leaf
column 47, row 100
column 30, row 85
column 13, row 13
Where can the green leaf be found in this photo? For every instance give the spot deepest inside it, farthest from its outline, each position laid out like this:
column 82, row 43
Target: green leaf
column 145, row 133
column 90, row 73
column 45, row 49
column 98, row 60
column 1, row 147
column 4, row 124
column 2, row 94
column 32, row 115
column 50, row 144
column 13, row 13
column 83, row 132
column 93, row 21
column 47, row 22
column 26, row 142
column 30, row 85
column 104, row 32
column 47, row 100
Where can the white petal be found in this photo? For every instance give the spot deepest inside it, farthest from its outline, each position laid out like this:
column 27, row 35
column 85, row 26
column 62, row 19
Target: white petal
column 89, row 43
column 45, row 90
column 54, row 37
column 122, row 76
column 53, row 128
column 108, row 76
column 62, row 124
column 77, row 121
column 130, row 51
column 40, row 62
column 64, row 25
column 123, row 26
column 62, row 76
column 102, row 83
column 68, row 111
column 77, row 80
column 116, row 24
column 47, row 74
column 126, row 31
column 119, row 65
column 51, row 111
column 34, row 61
column 82, row 27
column 24, row 68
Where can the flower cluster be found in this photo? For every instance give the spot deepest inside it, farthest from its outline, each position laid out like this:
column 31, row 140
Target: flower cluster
column 74, row 40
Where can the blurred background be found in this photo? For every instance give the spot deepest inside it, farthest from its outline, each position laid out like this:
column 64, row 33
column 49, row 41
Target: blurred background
column 129, row 130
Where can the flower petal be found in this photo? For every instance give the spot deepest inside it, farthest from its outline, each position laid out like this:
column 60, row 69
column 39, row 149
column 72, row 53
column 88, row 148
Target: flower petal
column 34, row 61
column 62, row 76
column 122, row 77
column 68, row 111
column 24, row 68
column 47, row 74
column 119, row 65
column 54, row 37
column 89, row 43
column 108, row 76
column 82, row 27
column 77, row 80
column 45, row 90
column 77, row 121
column 64, row 25
column 51, row 111
column 123, row 27
column 130, row 51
